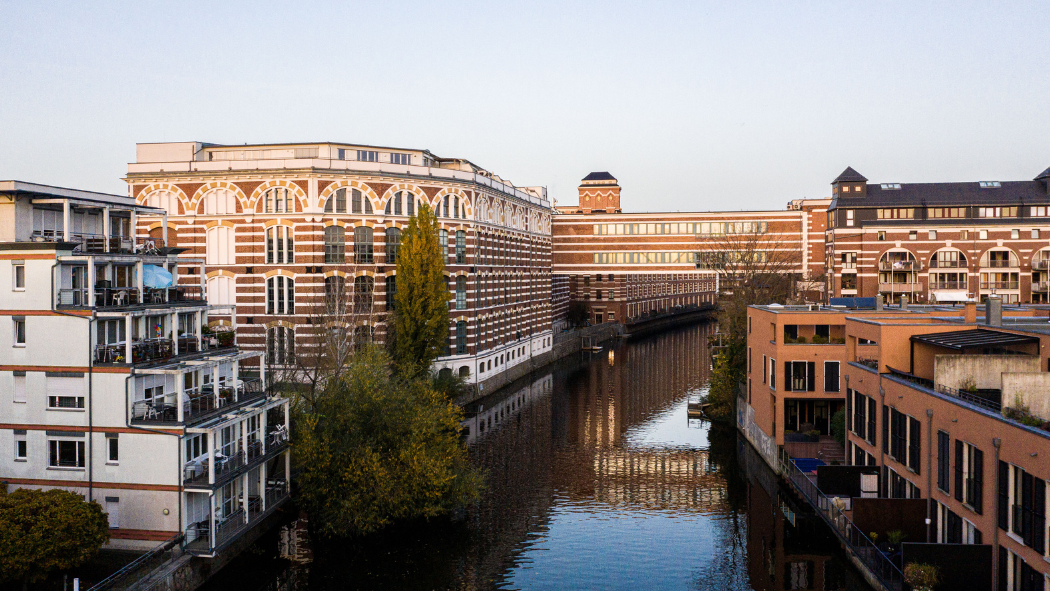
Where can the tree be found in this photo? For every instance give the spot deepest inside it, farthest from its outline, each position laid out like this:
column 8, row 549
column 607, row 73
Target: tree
column 838, row 426
column 421, row 313
column 43, row 531
column 755, row 267
column 376, row 447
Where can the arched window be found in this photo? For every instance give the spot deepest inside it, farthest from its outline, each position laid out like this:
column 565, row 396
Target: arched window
column 363, row 248
column 461, row 247
column 363, row 335
column 220, row 202
column 334, row 294
column 455, row 207
column 336, row 202
column 278, row 200
column 391, row 292
column 464, row 372
column 280, row 295
column 220, row 290
column 280, row 346
column 461, row 293
column 410, row 204
column 279, row 245
column 363, row 288
column 445, row 205
column 393, row 239
column 334, row 245
column 219, row 246
column 358, row 200
column 443, row 239
column 405, row 198
column 461, row 337
column 164, row 199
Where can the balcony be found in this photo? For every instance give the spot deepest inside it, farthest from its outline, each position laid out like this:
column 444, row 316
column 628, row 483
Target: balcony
column 1041, row 286
column 199, row 537
column 1041, row 264
column 900, row 287
column 1001, row 264
column 872, row 362
column 1000, row 285
column 113, row 298
column 950, row 285
column 937, row 264
column 228, row 462
column 198, row 404
column 100, row 244
column 900, row 266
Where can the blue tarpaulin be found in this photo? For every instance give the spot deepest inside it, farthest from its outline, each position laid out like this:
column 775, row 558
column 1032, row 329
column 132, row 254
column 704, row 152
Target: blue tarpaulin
column 154, row 276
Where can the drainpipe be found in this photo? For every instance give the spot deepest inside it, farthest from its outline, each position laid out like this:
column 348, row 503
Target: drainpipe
column 929, row 470
column 996, row 443
column 882, row 457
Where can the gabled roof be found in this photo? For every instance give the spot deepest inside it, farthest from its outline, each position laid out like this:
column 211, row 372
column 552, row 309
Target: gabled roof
column 961, row 340
column 1043, row 175
column 599, row 176
column 850, row 176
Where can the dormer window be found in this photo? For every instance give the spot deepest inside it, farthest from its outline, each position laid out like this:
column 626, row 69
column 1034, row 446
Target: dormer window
column 991, row 184
column 845, row 189
column 856, row 189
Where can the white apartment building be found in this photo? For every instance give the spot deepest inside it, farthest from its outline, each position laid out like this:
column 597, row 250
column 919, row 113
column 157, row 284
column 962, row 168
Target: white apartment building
column 286, row 228
column 117, row 383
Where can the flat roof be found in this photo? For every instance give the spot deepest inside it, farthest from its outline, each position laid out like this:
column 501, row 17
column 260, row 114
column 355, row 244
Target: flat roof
column 960, row 340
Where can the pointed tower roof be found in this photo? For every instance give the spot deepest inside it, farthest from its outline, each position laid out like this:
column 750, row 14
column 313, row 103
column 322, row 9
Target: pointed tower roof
column 850, row 176
column 1045, row 175
column 599, row 176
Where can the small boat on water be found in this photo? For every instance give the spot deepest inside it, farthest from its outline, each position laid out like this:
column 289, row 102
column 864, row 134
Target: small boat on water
column 697, row 410
column 589, row 344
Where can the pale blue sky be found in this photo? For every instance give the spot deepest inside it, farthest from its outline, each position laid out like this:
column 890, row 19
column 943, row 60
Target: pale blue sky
column 693, row 106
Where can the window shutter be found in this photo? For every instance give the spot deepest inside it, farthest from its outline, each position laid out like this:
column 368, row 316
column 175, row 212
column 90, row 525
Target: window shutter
column 1004, row 496
column 787, row 376
column 915, row 445
column 1039, row 515
column 872, row 415
column 811, row 376
column 885, row 429
column 958, row 470
column 978, row 481
column 1002, row 570
column 1027, row 515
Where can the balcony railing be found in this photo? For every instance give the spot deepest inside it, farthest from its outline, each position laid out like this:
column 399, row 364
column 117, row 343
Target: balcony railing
column 986, row 399
column 199, row 403
column 950, row 285
column 999, row 264
column 1000, row 285
column 97, row 243
column 199, row 538
column 936, row 264
column 872, row 362
column 141, row 351
column 123, row 297
column 900, row 266
column 1041, row 286
column 900, row 287
column 1041, row 264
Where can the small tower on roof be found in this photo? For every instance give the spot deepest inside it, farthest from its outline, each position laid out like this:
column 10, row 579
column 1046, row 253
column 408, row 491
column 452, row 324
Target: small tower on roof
column 850, row 184
column 599, row 192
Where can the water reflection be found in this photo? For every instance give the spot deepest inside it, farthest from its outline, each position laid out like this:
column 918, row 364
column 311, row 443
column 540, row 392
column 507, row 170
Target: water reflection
column 596, row 479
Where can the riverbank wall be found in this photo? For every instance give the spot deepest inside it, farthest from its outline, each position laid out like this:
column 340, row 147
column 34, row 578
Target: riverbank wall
column 565, row 344
column 654, row 325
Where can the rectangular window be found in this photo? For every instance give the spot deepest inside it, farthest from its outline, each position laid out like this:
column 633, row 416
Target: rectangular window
column 933, row 235
column 871, row 421
column 849, row 260
column 772, row 373
column 280, row 248
column 943, row 461
column 895, row 214
column 400, row 158
column 913, row 235
column 65, row 453
column 831, row 376
column 1035, row 233
column 19, row 394
column 334, row 245
column 982, row 235
column 997, row 212
column 860, row 409
column 367, row 156
column 112, row 448
column 1015, row 234
column 964, row 234
column 764, row 369
column 19, row 331
column 65, row 392
column 21, row 446
column 18, row 282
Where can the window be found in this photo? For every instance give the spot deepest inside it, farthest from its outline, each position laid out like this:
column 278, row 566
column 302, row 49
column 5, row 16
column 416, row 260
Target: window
column 764, row 367
column 280, row 295
column 393, row 239
column 860, row 410
column 461, row 247
column 221, row 290
column 964, row 234
column 279, row 245
column 882, row 235
column 19, row 394
column 18, row 282
column 400, row 158
column 913, row 235
column 280, row 346
column 849, row 281
column 1015, row 234
column 800, row 376
column 394, row 204
column 19, row 323
column 849, row 217
column 368, row 156
column 65, row 391
column 932, row 235
column 21, row 446
column 461, row 293
column 278, row 200
column 364, row 286
column 969, row 475
column 391, row 292
column 444, row 204
column 772, row 374
column 461, row 338
column 220, row 202
column 899, row 213
column 1035, row 233
column 334, row 294
column 334, row 245
column 337, row 202
column 455, row 207
column 849, row 260
column 219, row 246
column 112, row 448
column 943, row 461
column 982, row 235
column 363, row 248
column 831, row 376
column 65, row 453
column 946, row 212
column 997, row 212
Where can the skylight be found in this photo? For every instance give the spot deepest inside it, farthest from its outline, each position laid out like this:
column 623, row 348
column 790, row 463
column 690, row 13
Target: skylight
column 890, row 186
column 991, row 184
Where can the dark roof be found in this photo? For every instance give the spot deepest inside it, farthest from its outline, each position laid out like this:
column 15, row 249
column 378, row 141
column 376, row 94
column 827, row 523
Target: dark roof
column 1043, row 175
column 850, row 176
column 599, row 176
column 934, row 194
column 960, row 340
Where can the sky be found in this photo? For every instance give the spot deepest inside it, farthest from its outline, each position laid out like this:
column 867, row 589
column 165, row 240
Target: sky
column 693, row 106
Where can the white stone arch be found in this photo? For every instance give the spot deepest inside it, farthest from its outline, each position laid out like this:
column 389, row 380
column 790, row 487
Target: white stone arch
column 366, row 193
column 218, row 198
column 418, row 193
column 299, row 197
column 164, row 195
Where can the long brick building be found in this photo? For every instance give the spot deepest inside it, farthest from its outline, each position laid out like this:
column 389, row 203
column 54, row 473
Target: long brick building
column 284, row 228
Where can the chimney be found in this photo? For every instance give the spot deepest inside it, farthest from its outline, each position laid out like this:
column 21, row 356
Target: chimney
column 904, row 302
column 993, row 311
column 878, row 303
column 970, row 312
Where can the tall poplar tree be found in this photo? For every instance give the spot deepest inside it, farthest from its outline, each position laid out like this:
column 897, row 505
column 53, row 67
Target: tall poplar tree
column 421, row 302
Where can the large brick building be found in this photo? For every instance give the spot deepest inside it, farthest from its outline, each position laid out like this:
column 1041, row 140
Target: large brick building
column 942, row 242
column 283, row 227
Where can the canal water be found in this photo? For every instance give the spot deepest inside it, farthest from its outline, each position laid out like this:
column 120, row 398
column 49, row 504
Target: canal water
column 596, row 479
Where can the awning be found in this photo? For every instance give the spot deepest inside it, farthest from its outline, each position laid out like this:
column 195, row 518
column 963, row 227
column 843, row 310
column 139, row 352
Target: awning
column 154, row 276
column 943, row 296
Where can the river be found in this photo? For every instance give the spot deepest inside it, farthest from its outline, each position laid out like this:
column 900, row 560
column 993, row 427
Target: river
column 597, row 479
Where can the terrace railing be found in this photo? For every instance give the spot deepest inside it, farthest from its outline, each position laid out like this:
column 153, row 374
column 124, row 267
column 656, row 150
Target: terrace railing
column 141, row 567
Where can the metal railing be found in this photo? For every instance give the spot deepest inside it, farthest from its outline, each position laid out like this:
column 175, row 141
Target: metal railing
column 900, row 266
column 900, row 287
column 142, row 566
column 1041, row 264
column 950, row 285
column 1000, row 264
column 877, row 563
column 985, row 401
column 872, row 362
column 936, row 264
column 1000, row 285
column 100, row 243
column 122, row 297
column 1041, row 286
